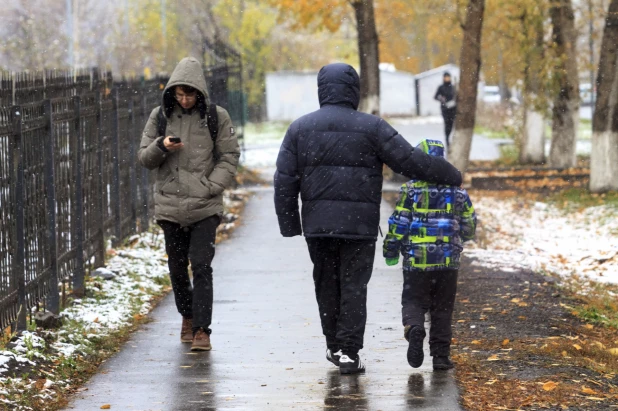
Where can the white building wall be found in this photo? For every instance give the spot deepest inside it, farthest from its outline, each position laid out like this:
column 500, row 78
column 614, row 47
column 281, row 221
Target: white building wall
column 290, row 95
column 397, row 95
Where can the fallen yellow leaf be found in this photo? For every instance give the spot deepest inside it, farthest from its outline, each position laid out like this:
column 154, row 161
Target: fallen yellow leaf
column 589, row 326
column 550, row 386
column 613, row 351
column 493, row 358
column 589, row 391
column 476, row 342
column 106, row 407
column 577, row 347
column 506, row 342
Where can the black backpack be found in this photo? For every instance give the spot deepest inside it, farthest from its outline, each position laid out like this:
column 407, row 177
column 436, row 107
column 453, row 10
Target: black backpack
column 212, row 121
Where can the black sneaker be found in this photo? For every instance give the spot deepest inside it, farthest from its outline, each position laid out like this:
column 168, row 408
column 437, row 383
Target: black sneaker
column 415, row 337
column 442, row 363
column 333, row 357
column 351, row 364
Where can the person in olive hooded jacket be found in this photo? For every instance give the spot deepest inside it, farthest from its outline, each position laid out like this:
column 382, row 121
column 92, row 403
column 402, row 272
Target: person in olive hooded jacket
column 191, row 177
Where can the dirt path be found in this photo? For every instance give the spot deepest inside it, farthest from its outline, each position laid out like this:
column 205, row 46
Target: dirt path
column 519, row 347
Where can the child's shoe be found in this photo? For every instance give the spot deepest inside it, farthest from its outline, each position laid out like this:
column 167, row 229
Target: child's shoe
column 415, row 336
column 442, row 363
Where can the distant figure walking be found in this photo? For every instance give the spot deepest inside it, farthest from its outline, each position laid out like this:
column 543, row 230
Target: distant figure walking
column 334, row 158
column 191, row 144
column 447, row 96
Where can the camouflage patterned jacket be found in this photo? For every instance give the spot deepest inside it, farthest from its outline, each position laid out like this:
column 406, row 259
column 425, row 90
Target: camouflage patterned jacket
column 430, row 224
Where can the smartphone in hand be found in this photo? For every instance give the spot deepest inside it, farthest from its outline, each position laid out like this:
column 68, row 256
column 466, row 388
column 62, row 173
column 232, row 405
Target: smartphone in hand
column 175, row 140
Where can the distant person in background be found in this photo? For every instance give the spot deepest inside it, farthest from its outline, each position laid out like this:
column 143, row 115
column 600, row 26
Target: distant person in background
column 447, row 95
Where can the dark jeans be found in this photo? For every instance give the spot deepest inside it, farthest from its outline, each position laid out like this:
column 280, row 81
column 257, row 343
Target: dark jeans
column 341, row 271
column 432, row 291
column 449, row 120
column 195, row 244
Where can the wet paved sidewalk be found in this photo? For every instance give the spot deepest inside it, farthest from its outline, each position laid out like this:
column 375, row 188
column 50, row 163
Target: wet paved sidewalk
column 268, row 348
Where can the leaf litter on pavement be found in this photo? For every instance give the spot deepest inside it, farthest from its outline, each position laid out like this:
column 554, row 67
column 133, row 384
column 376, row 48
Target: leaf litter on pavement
column 550, row 339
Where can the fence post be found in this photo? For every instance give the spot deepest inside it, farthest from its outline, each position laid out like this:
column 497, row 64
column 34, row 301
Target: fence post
column 100, row 254
column 116, row 174
column 19, row 245
column 145, row 172
column 53, row 300
column 132, row 164
column 78, row 140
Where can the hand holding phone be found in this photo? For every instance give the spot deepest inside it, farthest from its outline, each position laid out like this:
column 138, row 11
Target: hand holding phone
column 173, row 143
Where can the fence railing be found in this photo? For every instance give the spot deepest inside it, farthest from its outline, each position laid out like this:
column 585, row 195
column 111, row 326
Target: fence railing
column 69, row 179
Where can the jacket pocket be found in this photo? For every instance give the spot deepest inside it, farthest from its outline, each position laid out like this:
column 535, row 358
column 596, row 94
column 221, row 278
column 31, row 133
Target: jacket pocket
column 213, row 189
column 164, row 178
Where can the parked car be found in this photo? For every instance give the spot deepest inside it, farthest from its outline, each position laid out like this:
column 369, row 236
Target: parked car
column 491, row 94
column 585, row 93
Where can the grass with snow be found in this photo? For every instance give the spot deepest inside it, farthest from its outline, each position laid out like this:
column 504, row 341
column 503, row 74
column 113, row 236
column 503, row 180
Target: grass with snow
column 38, row 370
column 522, row 233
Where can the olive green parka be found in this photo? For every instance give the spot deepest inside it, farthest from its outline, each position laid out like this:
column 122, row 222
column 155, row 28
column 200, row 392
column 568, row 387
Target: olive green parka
column 189, row 182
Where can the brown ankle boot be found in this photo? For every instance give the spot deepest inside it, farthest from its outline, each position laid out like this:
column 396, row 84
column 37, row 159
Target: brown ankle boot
column 186, row 332
column 201, row 341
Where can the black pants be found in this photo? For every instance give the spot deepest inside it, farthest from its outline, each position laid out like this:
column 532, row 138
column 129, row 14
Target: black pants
column 341, row 271
column 196, row 244
column 449, row 120
column 432, row 291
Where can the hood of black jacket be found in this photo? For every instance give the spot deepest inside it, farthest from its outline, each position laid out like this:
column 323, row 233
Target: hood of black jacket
column 339, row 84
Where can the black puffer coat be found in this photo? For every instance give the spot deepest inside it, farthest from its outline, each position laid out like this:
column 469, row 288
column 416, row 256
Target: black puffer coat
column 334, row 156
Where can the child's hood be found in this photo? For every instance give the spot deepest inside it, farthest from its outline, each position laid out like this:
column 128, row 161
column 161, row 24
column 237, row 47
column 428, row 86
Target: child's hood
column 432, row 147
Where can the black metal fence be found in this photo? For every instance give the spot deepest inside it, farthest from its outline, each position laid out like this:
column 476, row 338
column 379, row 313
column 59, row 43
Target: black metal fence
column 69, row 179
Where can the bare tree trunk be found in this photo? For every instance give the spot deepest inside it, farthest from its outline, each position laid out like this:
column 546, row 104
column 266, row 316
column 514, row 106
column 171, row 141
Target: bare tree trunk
column 369, row 56
column 532, row 147
column 604, row 157
column 566, row 102
column 468, row 85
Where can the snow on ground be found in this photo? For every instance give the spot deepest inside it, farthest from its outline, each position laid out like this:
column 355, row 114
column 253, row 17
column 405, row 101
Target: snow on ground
column 137, row 270
column 137, row 273
column 542, row 237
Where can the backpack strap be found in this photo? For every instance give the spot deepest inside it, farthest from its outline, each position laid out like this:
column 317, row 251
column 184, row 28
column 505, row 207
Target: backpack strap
column 161, row 122
column 212, row 120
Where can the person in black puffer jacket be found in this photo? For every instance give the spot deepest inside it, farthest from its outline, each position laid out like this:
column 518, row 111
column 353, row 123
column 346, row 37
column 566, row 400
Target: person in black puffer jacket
column 334, row 158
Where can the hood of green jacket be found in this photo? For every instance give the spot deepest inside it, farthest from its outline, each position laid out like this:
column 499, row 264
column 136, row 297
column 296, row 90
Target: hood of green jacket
column 188, row 72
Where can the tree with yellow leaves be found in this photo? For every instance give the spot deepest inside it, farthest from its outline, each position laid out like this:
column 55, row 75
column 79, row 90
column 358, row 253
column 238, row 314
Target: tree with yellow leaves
column 330, row 15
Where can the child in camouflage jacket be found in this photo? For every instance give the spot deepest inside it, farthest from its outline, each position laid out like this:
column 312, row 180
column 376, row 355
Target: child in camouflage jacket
column 428, row 228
